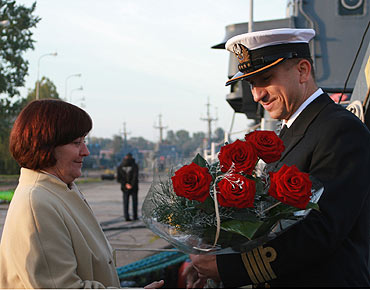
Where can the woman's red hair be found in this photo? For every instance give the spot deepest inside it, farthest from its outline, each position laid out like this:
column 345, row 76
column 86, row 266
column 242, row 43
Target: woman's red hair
column 43, row 125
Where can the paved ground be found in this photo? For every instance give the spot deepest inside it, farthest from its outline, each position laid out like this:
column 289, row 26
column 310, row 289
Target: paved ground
column 105, row 198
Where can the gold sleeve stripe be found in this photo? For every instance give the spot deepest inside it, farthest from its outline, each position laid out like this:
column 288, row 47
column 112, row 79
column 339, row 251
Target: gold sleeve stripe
column 257, row 263
column 268, row 255
column 249, row 269
column 260, row 265
column 255, row 267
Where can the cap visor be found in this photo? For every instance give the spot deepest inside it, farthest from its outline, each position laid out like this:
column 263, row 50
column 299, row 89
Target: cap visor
column 242, row 76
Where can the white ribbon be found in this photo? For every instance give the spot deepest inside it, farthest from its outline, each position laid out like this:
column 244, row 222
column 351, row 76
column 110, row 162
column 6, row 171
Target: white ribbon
column 218, row 220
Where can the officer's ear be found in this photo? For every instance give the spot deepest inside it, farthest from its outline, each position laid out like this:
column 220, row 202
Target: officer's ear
column 304, row 68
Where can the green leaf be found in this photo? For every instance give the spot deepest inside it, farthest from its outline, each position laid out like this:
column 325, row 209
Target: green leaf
column 267, row 225
column 259, row 186
column 199, row 160
column 314, row 206
column 244, row 228
column 283, row 209
column 244, row 214
column 208, row 205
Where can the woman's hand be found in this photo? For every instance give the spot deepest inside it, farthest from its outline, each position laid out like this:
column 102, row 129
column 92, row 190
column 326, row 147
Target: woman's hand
column 155, row 285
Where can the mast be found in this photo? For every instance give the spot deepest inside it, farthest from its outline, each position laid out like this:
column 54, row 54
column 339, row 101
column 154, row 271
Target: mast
column 209, row 120
column 160, row 127
column 125, row 133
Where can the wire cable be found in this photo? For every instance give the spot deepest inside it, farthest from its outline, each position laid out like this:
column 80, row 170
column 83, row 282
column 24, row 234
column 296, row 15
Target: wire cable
column 354, row 62
column 232, row 123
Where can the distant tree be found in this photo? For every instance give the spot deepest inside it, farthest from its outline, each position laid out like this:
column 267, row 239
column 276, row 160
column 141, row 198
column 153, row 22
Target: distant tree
column 171, row 137
column 7, row 163
column 15, row 40
column 182, row 136
column 185, row 143
column 219, row 135
column 117, row 144
column 140, row 143
column 198, row 137
column 47, row 90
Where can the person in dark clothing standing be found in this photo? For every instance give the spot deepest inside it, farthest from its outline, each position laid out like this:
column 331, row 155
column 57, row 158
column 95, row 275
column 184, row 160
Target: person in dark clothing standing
column 128, row 176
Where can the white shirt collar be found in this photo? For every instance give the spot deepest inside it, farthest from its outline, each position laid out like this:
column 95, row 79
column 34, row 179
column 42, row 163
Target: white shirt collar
column 302, row 107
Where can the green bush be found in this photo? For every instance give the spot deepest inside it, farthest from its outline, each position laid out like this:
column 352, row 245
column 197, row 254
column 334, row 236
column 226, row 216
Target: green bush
column 6, row 195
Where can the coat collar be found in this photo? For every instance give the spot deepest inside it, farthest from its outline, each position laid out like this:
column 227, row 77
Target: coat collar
column 296, row 132
column 29, row 176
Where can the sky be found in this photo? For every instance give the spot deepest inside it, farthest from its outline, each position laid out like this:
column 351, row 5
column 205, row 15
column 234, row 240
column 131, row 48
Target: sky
column 139, row 59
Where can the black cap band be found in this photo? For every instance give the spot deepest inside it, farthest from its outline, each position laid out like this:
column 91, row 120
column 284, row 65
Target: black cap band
column 266, row 55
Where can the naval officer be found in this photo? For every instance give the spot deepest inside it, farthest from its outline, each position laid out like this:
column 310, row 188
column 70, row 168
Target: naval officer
column 330, row 248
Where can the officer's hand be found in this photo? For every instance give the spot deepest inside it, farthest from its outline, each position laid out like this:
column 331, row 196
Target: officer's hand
column 206, row 266
column 128, row 186
column 192, row 278
column 155, row 285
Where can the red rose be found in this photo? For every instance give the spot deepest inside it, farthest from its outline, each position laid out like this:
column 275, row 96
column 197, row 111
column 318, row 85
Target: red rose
column 291, row 186
column 235, row 190
column 269, row 146
column 192, row 181
column 241, row 154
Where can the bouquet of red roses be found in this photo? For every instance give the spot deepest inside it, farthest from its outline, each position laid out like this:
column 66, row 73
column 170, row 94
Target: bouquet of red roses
column 229, row 206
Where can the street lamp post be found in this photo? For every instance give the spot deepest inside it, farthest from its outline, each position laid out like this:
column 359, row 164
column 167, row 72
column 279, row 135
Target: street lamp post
column 38, row 73
column 82, row 102
column 77, row 89
column 73, row 75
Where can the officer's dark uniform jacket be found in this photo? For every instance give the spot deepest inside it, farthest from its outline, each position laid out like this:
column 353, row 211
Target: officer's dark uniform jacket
column 329, row 248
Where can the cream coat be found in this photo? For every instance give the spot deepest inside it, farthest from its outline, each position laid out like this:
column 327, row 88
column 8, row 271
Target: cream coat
column 51, row 239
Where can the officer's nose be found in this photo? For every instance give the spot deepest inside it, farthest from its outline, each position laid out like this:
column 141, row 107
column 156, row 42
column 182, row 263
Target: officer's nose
column 259, row 93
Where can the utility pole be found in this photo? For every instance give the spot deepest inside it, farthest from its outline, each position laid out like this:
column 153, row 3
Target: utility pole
column 38, row 73
column 251, row 21
column 209, row 120
column 125, row 133
column 160, row 127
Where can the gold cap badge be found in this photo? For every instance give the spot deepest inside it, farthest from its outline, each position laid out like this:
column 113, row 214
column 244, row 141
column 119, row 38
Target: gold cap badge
column 243, row 55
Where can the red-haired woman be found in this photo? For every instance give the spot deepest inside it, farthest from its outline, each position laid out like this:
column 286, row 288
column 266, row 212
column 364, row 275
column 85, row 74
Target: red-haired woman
column 51, row 238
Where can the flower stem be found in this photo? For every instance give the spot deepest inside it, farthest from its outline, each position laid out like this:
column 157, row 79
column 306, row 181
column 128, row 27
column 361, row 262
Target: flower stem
column 271, row 207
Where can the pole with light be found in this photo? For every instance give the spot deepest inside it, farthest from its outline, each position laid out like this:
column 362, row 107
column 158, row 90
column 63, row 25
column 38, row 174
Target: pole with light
column 77, row 89
column 82, row 102
column 66, row 82
column 38, row 73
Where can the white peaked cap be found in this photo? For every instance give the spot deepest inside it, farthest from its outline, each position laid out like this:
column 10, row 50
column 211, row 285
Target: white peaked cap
column 261, row 50
column 259, row 39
